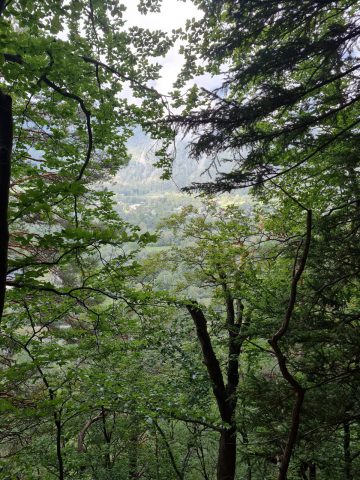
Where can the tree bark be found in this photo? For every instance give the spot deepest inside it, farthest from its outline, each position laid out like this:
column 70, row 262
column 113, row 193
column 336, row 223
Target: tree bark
column 107, row 438
column 133, row 455
column 58, row 446
column 312, row 471
column 6, row 141
column 227, row 455
column 347, row 452
column 81, row 446
column 225, row 394
column 211, row 361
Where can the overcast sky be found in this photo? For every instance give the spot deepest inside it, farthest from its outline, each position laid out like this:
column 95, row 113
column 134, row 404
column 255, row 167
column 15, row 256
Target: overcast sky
column 174, row 14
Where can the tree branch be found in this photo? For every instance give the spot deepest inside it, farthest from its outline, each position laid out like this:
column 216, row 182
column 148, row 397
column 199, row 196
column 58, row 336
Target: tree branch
column 210, row 360
column 81, row 447
column 274, row 342
column 87, row 114
column 168, row 448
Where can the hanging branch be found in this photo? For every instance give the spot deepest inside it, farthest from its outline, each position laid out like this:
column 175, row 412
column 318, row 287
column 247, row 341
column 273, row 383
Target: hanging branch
column 170, row 453
column 131, row 80
column 15, row 58
column 87, row 114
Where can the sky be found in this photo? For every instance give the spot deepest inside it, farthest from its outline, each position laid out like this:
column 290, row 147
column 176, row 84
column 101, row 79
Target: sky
column 174, row 14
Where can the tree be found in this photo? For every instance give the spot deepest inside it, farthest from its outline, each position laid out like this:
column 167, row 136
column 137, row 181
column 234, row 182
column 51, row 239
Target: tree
column 64, row 69
column 215, row 259
column 103, row 349
column 65, row 121
column 284, row 121
column 289, row 85
column 284, row 390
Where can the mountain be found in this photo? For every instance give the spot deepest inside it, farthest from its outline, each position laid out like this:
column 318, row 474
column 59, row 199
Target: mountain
column 143, row 198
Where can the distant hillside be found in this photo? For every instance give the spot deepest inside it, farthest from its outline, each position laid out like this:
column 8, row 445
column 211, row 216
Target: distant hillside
column 143, row 198
column 140, row 176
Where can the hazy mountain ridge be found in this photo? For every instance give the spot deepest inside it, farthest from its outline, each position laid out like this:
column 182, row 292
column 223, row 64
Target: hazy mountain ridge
column 140, row 176
column 143, row 198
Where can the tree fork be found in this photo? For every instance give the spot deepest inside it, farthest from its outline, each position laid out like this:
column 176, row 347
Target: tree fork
column 6, row 142
column 226, row 463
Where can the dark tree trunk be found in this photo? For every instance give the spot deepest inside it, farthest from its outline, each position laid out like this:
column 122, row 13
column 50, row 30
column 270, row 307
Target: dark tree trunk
column 347, row 452
column 211, row 362
column 59, row 447
column 312, row 471
column 295, row 423
column 6, row 140
column 133, row 456
column 227, row 455
column 225, row 394
column 107, row 438
column 298, row 269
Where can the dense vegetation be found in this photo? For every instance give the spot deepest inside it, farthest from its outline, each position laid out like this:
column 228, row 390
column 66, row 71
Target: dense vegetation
column 225, row 344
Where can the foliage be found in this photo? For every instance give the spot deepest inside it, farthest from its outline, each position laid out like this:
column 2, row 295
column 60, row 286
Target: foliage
column 232, row 351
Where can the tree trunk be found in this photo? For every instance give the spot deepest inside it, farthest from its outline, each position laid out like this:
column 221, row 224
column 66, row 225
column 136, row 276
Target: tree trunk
column 6, row 140
column 59, row 447
column 248, row 460
column 225, row 395
column 227, row 455
column 133, row 456
column 298, row 269
column 107, row 439
column 347, row 452
column 312, row 471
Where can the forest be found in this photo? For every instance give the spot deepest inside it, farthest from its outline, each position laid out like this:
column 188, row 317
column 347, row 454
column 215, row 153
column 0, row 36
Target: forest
column 209, row 331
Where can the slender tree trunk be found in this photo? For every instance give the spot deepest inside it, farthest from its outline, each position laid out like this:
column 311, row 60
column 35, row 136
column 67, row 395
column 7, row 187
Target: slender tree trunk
column 133, row 456
column 312, row 471
column 177, row 471
column 227, row 455
column 200, row 454
column 58, row 447
column 298, row 269
column 6, row 141
column 347, row 452
column 245, row 439
column 295, row 423
column 107, row 438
